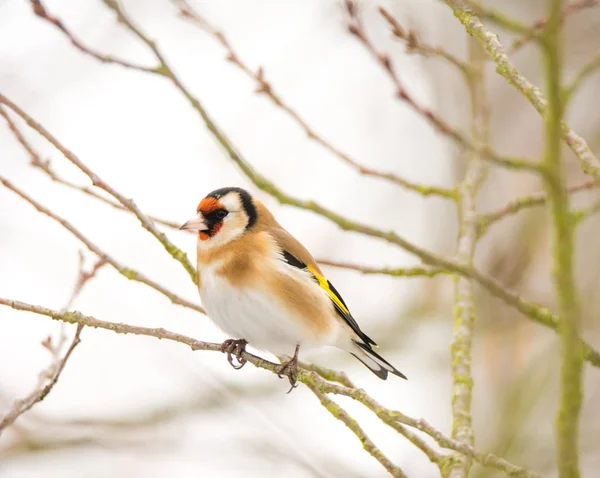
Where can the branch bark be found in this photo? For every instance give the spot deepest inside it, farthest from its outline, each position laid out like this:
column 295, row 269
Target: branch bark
column 571, row 373
column 464, row 298
column 489, row 41
column 323, row 380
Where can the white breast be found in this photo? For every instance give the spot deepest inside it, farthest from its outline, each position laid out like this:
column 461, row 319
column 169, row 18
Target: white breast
column 252, row 314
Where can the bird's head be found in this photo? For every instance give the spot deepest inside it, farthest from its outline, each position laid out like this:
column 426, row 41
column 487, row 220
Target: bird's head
column 222, row 216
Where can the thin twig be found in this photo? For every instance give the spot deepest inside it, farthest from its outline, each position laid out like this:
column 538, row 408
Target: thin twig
column 394, row 272
column 473, row 26
column 415, row 45
column 46, row 167
column 370, row 447
column 308, row 377
column 357, row 29
column 127, row 272
column 538, row 198
column 266, row 88
column 591, row 67
column 40, row 11
column 464, row 296
column 508, row 23
column 535, row 311
column 147, row 224
column 538, row 26
column 52, row 374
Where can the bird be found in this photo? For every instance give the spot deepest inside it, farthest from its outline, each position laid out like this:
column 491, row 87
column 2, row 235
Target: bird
column 262, row 287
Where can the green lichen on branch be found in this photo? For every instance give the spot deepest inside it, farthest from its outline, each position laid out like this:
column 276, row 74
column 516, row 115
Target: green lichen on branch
column 330, row 383
column 464, row 300
column 491, row 43
column 563, row 225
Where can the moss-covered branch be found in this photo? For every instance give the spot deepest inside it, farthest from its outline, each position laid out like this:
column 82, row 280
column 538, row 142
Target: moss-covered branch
column 323, row 380
column 464, row 298
column 571, row 373
column 491, row 43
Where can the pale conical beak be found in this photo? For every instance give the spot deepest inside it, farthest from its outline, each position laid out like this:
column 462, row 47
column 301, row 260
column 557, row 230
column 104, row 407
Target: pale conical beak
column 197, row 223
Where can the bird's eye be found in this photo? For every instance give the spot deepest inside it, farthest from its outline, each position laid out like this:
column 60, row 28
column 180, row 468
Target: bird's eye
column 222, row 214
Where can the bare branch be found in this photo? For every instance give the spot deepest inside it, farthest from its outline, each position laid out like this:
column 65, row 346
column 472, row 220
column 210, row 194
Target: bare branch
column 40, row 11
column 395, row 272
column 535, row 311
column 588, row 69
column 264, row 87
column 370, row 447
column 52, row 375
column 571, row 370
column 464, row 297
column 312, row 378
column 489, row 40
column 357, row 29
column 538, row 26
column 172, row 249
column 46, row 167
column 127, row 272
column 415, row 45
column 538, row 198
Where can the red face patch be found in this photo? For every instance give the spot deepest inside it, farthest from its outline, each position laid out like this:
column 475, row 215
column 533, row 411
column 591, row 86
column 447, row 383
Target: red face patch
column 207, row 205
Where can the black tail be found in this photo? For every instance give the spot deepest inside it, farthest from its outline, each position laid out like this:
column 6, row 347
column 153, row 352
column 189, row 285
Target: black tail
column 374, row 362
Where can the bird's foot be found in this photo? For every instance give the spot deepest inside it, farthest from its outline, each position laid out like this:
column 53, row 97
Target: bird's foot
column 235, row 348
column 289, row 369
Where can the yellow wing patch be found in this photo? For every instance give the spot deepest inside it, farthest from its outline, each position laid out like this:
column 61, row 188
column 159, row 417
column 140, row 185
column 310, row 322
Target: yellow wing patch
column 324, row 283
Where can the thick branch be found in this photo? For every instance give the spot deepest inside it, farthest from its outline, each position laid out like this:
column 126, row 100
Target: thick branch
column 535, row 311
column 309, row 377
column 571, row 373
column 464, row 298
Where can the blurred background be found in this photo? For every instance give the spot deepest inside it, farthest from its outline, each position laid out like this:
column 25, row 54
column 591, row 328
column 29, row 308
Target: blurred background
column 134, row 406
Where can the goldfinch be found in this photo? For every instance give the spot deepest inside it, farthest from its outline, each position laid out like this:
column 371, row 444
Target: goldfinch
column 261, row 287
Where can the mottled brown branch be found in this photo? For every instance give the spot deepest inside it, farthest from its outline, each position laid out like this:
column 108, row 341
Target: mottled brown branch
column 40, row 11
column 266, row 88
column 147, row 224
column 387, row 416
column 357, row 29
column 415, row 45
column 47, row 383
column 127, row 272
column 46, row 167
